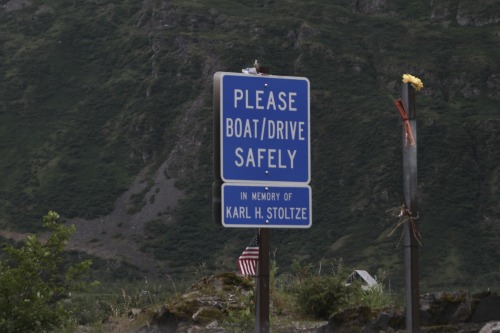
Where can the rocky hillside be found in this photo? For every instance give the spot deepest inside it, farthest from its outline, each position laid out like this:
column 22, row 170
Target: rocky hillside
column 106, row 117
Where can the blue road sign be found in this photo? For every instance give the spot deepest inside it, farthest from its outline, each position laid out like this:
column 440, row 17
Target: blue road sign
column 264, row 128
column 260, row 206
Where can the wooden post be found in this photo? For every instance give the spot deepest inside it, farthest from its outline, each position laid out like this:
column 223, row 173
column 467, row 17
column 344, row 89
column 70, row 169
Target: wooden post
column 262, row 301
column 410, row 227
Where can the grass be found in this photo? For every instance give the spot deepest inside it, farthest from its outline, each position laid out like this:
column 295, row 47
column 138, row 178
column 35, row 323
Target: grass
column 128, row 309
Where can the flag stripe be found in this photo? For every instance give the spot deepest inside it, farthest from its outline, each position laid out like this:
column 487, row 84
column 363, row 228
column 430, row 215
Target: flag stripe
column 247, row 267
column 247, row 262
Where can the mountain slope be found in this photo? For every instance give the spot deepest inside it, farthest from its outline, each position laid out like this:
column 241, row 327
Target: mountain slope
column 97, row 94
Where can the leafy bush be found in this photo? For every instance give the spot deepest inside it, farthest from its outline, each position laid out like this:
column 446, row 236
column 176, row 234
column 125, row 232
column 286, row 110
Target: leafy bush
column 34, row 279
column 242, row 319
column 376, row 296
column 320, row 296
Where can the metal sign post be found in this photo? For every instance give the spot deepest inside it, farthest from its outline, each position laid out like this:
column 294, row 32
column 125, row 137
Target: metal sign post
column 262, row 297
column 410, row 231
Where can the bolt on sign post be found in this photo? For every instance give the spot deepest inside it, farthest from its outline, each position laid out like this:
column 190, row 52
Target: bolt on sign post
column 406, row 109
column 262, row 161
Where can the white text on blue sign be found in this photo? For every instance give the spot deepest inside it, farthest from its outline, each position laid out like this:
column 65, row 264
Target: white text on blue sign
column 264, row 206
column 265, row 129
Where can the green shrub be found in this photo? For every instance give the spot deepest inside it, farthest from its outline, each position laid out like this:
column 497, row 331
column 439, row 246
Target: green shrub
column 35, row 279
column 242, row 319
column 374, row 297
column 320, row 296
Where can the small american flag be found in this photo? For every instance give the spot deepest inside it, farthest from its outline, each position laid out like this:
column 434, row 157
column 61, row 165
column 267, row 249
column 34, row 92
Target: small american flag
column 247, row 262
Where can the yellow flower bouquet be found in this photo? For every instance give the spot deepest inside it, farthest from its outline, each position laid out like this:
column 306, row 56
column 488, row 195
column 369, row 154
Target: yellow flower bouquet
column 415, row 81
